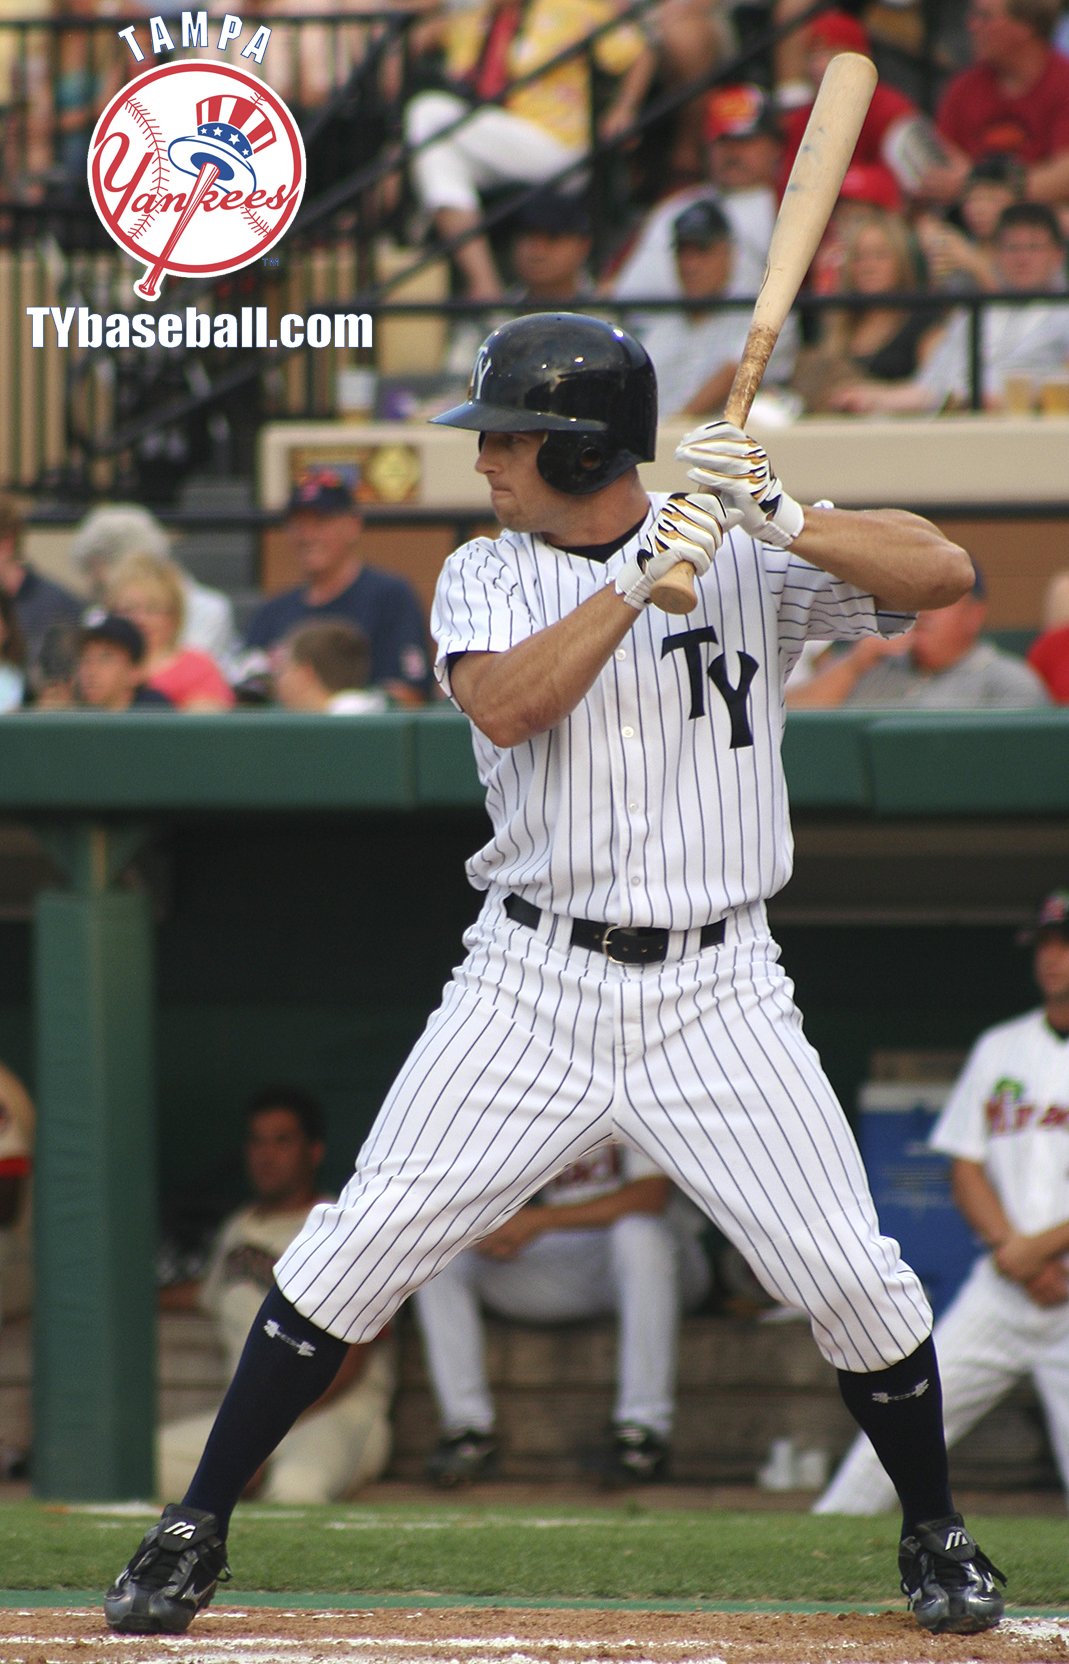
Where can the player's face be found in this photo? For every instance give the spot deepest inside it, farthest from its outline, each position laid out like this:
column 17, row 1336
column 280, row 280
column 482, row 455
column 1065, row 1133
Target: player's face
column 281, row 1160
column 519, row 495
column 1052, row 965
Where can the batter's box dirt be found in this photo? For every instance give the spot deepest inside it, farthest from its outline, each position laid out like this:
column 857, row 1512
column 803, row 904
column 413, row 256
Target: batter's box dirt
column 229, row 1635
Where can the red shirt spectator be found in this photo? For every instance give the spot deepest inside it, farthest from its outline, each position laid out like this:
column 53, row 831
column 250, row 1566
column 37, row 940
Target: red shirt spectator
column 828, row 34
column 1049, row 656
column 979, row 116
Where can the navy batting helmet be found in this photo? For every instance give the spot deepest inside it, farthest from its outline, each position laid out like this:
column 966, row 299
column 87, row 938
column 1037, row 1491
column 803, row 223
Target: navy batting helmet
column 587, row 384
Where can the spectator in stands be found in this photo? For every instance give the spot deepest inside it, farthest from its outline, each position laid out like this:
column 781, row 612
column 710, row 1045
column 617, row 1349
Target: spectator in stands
column 38, row 601
column 512, row 137
column 324, row 526
column 744, row 147
column 598, row 1239
column 551, row 243
column 880, row 342
column 16, row 1161
column 12, row 657
column 1013, row 99
column 343, row 1441
column 1049, row 653
column 696, row 353
column 939, row 665
column 895, row 134
column 1030, row 338
column 114, row 530
column 110, row 667
column 149, row 592
column 963, row 256
column 326, row 668
column 1003, row 1128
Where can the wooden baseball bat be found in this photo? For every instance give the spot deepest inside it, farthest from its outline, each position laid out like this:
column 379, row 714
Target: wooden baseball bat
column 823, row 157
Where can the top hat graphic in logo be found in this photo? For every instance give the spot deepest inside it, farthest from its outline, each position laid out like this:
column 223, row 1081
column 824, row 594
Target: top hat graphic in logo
column 196, row 169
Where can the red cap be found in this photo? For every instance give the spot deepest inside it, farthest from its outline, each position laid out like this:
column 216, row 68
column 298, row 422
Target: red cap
column 871, row 183
column 738, row 112
column 839, row 29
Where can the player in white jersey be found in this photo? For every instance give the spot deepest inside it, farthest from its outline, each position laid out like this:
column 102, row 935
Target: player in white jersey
column 1006, row 1128
column 620, row 981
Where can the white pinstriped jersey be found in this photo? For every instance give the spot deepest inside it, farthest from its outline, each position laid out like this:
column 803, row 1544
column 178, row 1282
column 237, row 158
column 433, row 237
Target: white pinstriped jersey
column 1010, row 1110
column 661, row 799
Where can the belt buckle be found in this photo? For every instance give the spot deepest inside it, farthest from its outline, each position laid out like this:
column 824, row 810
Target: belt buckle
column 606, row 949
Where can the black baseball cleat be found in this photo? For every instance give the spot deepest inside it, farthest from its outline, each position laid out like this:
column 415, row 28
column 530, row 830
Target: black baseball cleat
column 636, row 1456
column 948, row 1580
column 172, row 1576
column 461, row 1458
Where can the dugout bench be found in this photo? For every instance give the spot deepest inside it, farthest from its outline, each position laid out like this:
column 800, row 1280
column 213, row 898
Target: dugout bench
column 189, row 866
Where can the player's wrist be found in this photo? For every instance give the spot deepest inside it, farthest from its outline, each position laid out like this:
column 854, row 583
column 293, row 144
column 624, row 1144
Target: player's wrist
column 786, row 523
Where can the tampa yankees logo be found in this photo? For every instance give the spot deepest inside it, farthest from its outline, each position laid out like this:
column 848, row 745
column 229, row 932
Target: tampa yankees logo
column 735, row 695
column 196, row 168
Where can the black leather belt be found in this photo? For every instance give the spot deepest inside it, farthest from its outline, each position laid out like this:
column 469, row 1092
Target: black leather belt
column 625, row 944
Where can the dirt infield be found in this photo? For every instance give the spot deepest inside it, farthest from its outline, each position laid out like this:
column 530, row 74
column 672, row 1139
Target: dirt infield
column 507, row 1636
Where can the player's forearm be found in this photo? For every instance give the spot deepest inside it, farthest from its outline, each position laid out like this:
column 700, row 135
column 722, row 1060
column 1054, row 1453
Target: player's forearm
column 977, row 1201
column 529, row 688
column 900, row 558
column 643, row 1196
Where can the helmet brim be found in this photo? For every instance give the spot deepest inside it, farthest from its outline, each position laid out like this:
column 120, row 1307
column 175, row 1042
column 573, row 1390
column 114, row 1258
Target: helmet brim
column 509, row 418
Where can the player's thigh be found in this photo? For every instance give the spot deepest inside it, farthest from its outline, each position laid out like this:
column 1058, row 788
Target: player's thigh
column 729, row 1098
column 330, row 1454
column 559, row 1277
column 506, row 1086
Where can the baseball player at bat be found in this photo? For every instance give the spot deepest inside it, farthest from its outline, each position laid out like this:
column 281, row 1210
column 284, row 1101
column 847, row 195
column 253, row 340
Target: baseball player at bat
column 620, row 981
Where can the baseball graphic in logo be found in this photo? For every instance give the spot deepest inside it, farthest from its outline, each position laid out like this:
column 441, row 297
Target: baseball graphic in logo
column 196, row 169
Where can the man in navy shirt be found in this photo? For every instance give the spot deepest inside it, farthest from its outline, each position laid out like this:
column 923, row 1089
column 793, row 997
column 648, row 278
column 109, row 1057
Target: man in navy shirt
column 38, row 601
column 324, row 525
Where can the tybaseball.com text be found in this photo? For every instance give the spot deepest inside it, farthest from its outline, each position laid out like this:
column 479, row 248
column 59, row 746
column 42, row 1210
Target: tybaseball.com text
column 250, row 326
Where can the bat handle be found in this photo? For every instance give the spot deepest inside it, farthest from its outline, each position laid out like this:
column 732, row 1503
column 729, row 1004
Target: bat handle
column 675, row 592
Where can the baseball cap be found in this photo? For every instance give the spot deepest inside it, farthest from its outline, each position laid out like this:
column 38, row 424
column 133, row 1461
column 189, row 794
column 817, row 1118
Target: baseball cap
column 1053, row 914
column 739, row 112
column 836, row 28
column 98, row 625
column 871, row 183
column 701, row 224
column 555, row 214
column 321, row 491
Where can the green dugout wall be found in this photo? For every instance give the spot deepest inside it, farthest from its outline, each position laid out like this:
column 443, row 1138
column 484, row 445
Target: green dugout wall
column 208, row 904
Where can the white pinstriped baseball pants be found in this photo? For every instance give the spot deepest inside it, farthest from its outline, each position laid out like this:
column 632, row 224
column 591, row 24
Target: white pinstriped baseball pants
column 989, row 1338
column 539, row 1053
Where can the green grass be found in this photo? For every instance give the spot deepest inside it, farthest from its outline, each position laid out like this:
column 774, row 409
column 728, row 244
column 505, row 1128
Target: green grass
column 632, row 1552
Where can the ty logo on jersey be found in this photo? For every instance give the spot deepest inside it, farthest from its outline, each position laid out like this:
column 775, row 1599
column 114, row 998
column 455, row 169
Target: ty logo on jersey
column 734, row 695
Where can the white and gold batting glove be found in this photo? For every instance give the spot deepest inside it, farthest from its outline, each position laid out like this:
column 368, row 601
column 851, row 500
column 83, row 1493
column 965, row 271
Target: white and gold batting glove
column 687, row 528
column 724, row 459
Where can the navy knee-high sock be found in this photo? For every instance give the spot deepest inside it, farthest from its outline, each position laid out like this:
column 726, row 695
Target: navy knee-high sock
column 901, row 1410
column 286, row 1365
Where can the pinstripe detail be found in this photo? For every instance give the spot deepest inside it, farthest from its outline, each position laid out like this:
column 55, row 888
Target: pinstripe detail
column 633, row 810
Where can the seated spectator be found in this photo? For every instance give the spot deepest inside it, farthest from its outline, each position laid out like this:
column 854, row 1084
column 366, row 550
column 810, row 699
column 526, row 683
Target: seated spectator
column 550, row 251
column 1029, row 338
column 1049, row 653
column 512, row 137
column 1013, row 99
column 12, row 657
column 149, row 591
column 597, row 1240
column 939, row 665
column 880, row 342
column 895, row 133
column 324, row 526
column 963, row 256
column 38, row 601
column 111, row 667
column 325, row 668
column 743, row 154
column 343, row 1441
column 696, row 353
column 114, row 530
